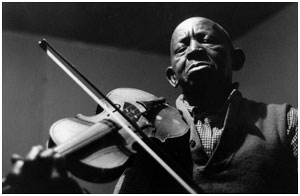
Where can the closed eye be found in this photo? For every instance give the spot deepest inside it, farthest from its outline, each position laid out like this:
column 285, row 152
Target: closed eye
column 210, row 40
column 180, row 49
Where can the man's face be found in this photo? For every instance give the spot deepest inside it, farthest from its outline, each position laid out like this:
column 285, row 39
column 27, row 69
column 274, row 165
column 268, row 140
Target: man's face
column 201, row 55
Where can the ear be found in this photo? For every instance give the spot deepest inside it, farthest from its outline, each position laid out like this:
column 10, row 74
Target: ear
column 238, row 59
column 171, row 77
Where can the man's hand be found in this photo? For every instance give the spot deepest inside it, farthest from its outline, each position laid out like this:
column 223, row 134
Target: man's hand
column 42, row 171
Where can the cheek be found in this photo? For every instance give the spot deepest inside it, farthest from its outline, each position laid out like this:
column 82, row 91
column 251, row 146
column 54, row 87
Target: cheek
column 178, row 65
column 222, row 59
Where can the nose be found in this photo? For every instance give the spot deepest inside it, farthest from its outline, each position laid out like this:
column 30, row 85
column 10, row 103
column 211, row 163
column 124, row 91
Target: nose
column 196, row 51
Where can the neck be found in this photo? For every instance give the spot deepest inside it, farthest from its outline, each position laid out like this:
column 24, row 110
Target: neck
column 210, row 100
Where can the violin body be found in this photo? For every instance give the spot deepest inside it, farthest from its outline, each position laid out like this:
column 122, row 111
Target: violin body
column 98, row 149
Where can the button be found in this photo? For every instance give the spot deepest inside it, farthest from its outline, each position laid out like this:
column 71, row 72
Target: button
column 192, row 143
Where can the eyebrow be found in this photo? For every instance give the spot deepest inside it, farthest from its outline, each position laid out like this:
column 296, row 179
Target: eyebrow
column 205, row 32
column 184, row 39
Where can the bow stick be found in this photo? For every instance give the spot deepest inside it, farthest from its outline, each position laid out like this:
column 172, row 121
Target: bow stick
column 94, row 93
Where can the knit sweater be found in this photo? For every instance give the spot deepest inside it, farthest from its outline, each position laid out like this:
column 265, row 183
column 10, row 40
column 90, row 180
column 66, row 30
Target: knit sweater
column 253, row 155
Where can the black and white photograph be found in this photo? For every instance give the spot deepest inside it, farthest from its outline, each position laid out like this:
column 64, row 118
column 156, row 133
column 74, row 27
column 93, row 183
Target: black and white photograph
column 149, row 97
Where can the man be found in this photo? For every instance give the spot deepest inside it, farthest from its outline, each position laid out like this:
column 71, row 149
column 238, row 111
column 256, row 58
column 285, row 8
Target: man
column 236, row 145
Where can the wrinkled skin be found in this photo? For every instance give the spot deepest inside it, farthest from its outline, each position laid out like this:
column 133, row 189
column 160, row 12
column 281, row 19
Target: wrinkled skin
column 202, row 60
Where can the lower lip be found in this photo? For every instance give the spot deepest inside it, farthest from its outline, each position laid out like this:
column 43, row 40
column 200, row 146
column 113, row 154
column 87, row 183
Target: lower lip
column 198, row 68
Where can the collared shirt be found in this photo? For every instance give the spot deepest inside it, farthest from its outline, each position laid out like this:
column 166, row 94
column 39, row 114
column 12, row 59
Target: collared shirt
column 210, row 127
column 292, row 131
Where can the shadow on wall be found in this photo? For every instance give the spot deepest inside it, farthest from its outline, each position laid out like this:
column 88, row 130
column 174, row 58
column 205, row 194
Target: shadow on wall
column 270, row 73
column 36, row 93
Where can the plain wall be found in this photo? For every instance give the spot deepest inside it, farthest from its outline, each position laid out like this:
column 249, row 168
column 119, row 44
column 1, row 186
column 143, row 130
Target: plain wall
column 270, row 73
column 36, row 93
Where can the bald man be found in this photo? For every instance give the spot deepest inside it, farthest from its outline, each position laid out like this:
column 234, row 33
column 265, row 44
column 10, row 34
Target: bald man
column 235, row 145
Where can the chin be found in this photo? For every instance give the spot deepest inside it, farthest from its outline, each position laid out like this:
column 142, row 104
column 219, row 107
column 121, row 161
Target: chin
column 192, row 86
column 202, row 80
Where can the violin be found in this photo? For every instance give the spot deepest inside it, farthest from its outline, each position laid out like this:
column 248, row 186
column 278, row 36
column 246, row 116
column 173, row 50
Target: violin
column 101, row 145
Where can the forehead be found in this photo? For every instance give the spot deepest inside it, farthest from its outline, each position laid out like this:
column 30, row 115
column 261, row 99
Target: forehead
column 194, row 26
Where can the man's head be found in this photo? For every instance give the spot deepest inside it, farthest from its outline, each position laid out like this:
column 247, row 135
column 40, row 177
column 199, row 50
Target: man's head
column 202, row 56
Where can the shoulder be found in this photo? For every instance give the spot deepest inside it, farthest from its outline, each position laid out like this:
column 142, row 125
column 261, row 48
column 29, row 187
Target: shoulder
column 273, row 120
column 264, row 111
